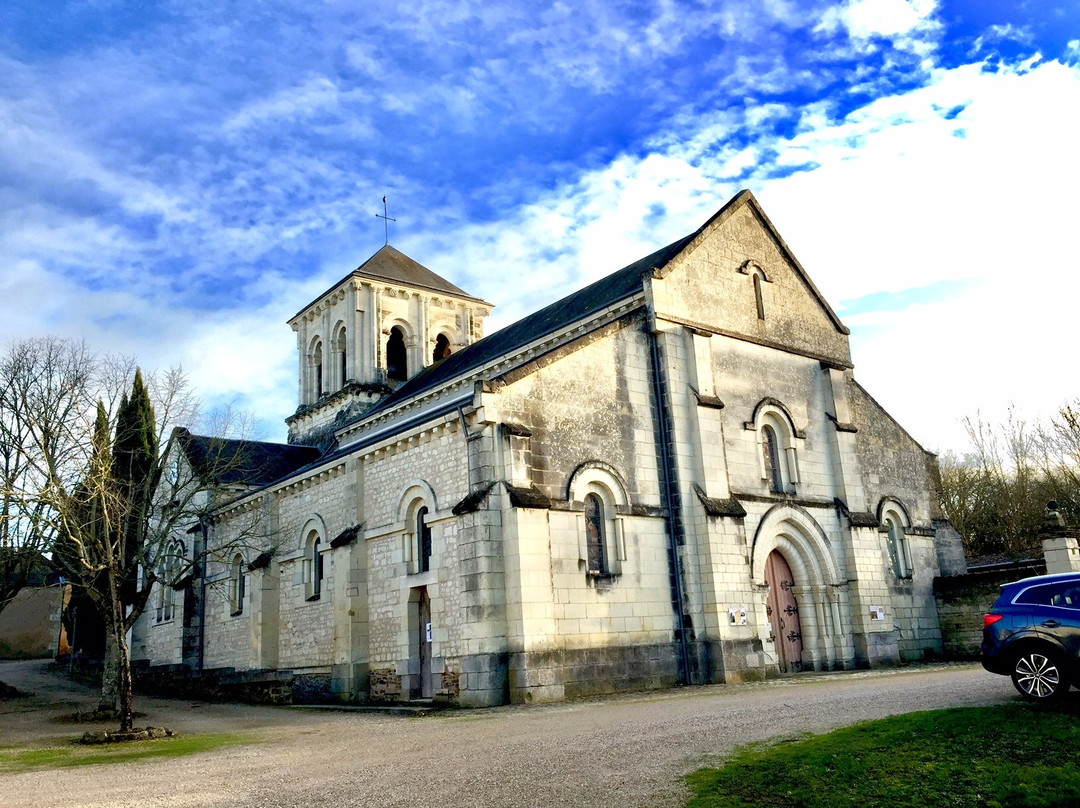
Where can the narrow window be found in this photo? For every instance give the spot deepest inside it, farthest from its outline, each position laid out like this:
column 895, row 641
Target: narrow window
column 395, row 355
column 758, row 298
column 343, row 357
column 314, row 563
column 161, row 598
column 239, row 585
column 898, row 549
column 423, row 541
column 317, row 369
column 771, row 458
column 166, row 579
column 594, row 534
column 442, row 348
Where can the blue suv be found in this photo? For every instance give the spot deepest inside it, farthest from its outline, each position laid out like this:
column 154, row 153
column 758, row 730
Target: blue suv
column 1032, row 634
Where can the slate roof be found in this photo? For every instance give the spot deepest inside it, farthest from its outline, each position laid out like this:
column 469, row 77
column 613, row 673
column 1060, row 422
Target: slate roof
column 594, row 297
column 388, row 264
column 226, row 461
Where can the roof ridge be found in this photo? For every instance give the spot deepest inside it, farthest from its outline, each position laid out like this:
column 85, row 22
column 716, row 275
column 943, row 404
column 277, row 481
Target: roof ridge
column 594, row 296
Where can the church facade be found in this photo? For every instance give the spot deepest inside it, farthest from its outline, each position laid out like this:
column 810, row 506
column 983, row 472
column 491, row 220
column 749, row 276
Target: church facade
column 669, row 476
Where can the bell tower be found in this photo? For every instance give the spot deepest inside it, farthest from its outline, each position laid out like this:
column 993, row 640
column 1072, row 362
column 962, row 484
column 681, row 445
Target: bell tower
column 385, row 321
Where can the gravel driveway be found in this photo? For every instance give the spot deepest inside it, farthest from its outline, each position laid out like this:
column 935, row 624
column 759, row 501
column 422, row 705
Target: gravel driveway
column 622, row 751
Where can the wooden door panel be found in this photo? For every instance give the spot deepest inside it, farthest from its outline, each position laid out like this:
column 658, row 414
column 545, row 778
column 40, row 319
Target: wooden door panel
column 782, row 608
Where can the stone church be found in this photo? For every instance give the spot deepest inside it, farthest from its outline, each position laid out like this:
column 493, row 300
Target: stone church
column 669, row 476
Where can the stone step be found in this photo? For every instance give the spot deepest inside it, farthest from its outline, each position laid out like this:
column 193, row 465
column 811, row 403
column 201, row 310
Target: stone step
column 425, row 707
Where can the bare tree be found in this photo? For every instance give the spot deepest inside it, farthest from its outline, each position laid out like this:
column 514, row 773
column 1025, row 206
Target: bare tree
column 996, row 496
column 45, row 400
column 1061, row 448
column 109, row 488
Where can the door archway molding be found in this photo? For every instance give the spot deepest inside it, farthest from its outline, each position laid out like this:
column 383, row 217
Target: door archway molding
column 824, row 605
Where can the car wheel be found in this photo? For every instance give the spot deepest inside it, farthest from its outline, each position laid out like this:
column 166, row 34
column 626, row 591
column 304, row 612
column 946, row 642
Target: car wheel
column 1039, row 675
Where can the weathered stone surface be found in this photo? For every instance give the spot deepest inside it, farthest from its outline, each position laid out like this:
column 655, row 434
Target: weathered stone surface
column 588, row 507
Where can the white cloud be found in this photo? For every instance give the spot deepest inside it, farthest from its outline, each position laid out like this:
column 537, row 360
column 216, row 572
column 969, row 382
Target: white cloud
column 295, row 103
column 900, row 201
column 864, row 19
column 241, row 160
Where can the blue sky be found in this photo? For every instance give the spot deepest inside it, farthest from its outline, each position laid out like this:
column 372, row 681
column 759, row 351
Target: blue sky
column 178, row 178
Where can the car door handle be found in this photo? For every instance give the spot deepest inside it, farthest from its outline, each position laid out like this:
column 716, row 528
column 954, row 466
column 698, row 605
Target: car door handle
column 1051, row 623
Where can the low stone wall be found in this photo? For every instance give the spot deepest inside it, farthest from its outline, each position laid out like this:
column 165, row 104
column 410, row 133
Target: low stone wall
column 555, row 675
column 384, row 685
column 30, row 624
column 219, row 684
column 962, row 600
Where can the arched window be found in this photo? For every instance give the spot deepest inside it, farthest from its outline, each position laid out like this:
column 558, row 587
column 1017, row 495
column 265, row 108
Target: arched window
column 601, row 539
column 757, row 273
column 757, row 297
column 238, row 585
column 167, row 574
column 770, row 457
column 595, row 539
column 442, row 348
column 423, row 541
column 777, row 438
column 314, row 564
column 899, row 552
column 317, row 369
column 343, row 356
column 396, row 357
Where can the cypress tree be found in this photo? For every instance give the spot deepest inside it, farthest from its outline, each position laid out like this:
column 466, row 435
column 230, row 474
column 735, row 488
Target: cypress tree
column 135, row 454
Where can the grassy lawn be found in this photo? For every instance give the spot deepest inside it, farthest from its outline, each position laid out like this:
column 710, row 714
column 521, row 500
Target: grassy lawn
column 14, row 760
column 1012, row 755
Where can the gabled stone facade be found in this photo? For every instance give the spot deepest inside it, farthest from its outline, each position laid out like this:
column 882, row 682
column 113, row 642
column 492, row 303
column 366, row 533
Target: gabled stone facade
column 668, row 476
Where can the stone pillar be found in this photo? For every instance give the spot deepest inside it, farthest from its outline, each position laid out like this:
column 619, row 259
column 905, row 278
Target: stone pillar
column 1061, row 544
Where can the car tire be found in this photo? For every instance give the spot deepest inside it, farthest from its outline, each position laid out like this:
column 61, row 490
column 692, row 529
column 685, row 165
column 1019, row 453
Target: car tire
column 1039, row 675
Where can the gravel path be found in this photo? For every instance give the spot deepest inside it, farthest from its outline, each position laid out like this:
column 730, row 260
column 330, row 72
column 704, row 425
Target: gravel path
column 623, row 751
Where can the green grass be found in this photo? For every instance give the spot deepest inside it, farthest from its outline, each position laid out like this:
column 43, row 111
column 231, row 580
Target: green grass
column 14, row 760
column 1013, row 755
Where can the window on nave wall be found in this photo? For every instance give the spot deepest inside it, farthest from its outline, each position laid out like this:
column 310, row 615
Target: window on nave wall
column 899, row 550
column 423, row 541
column 313, row 563
column 770, row 456
column 595, row 538
column 238, row 585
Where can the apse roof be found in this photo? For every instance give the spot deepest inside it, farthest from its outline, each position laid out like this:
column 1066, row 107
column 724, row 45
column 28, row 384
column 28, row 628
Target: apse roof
column 228, row 461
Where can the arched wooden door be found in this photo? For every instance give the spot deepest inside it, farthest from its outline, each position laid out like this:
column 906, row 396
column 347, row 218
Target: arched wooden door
column 783, row 611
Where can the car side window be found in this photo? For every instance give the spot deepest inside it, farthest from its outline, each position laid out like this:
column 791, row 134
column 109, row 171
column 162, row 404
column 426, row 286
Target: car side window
column 1068, row 598
column 1062, row 595
column 1039, row 595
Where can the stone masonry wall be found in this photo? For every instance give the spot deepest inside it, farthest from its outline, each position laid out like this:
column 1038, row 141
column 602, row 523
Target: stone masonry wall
column 706, row 287
column 962, row 600
column 432, row 466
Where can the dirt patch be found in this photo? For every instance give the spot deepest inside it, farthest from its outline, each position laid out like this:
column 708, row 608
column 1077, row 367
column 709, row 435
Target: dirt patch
column 136, row 734
column 96, row 716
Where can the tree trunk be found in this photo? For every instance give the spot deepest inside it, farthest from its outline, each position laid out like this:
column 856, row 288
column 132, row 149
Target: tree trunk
column 121, row 658
column 125, row 709
column 110, row 675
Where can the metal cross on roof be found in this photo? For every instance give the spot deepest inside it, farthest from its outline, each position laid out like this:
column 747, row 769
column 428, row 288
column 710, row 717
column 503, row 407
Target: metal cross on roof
column 386, row 220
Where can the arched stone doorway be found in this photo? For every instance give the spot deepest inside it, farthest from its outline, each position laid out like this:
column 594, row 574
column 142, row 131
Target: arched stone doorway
column 791, row 548
column 782, row 609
